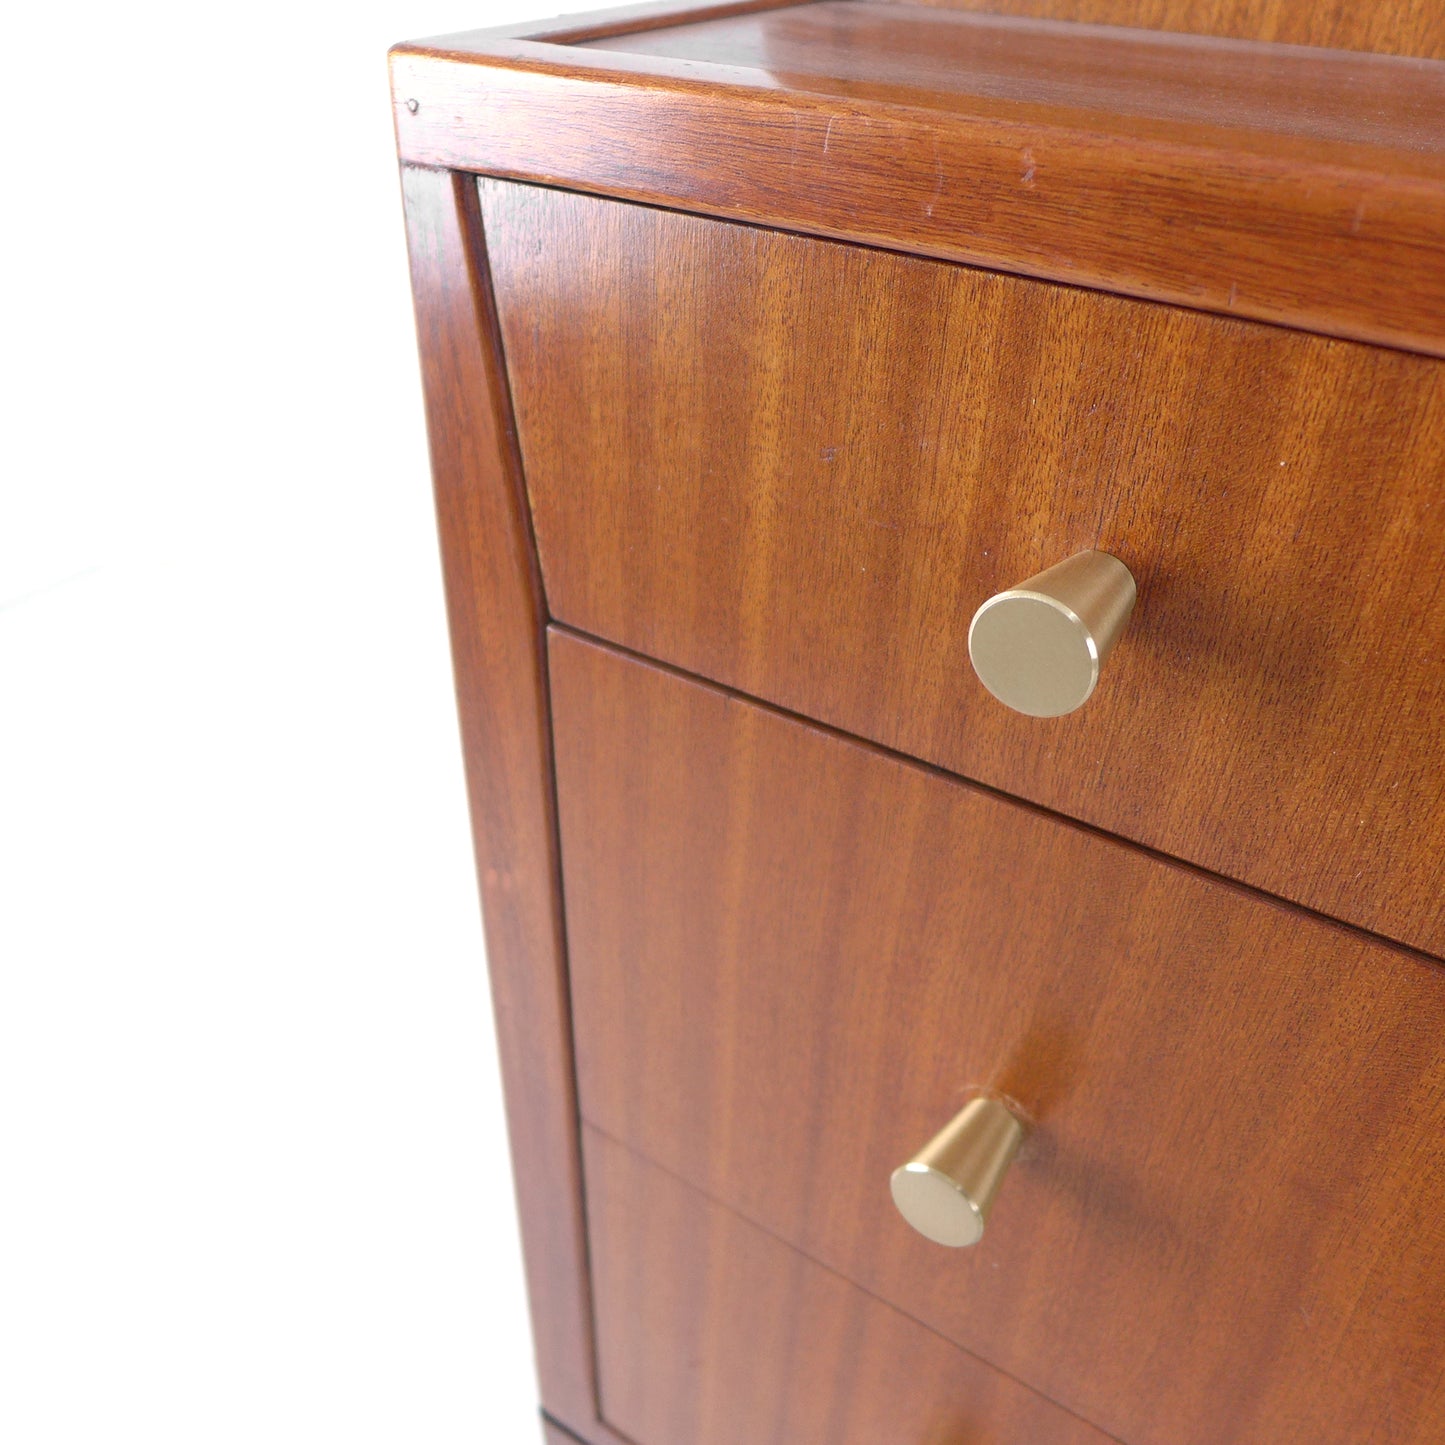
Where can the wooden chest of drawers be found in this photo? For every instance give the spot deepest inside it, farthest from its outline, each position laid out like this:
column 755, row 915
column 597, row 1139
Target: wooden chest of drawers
column 762, row 345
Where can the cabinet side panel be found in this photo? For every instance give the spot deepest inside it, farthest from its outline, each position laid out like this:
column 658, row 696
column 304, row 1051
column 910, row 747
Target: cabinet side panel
column 496, row 613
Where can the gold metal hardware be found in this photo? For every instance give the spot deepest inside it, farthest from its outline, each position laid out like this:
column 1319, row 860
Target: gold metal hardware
column 946, row 1191
column 1039, row 646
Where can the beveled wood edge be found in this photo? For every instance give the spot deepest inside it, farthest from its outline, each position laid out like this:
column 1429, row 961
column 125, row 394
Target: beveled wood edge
column 1413, row 953
column 1345, row 240
column 497, row 618
column 560, row 47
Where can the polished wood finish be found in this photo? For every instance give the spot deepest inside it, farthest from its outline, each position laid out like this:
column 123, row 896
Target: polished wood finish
column 793, row 954
column 1394, row 27
column 714, row 1333
column 882, row 52
column 1291, row 185
column 798, row 468
column 494, row 605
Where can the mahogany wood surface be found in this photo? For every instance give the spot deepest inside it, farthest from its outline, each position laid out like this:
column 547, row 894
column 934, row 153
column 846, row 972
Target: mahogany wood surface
column 1296, row 185
column 792, row 956
column 494, row 603
column 884, row 52
column 798, row 468
column 711, row 1332
column 1396, row 27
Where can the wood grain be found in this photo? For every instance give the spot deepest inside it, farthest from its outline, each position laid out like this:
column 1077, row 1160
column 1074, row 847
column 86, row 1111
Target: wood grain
column 887, row 52
column 494, row 604
column 1262, row 181
column 798, row 468
column 1395, row 27
column 713, row 1333
column 792, row 955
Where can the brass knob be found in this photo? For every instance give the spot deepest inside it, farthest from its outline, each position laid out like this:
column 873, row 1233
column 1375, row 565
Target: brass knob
column 946, row 1191
column 1039, row 646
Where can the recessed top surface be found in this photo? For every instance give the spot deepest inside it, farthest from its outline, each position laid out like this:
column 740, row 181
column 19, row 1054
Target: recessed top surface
column 949, row 58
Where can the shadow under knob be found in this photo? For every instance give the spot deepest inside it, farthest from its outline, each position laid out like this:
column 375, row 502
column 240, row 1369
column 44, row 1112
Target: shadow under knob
column 1039, row 646
column 947, row 1190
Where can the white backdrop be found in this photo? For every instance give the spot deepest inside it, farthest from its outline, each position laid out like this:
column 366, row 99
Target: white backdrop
column 253, row 1180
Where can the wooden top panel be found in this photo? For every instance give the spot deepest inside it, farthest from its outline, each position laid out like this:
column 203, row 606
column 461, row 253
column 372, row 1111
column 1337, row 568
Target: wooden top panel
column 1393, row 27
column 791, row 958
column 945, row 60
column 798, row 468
column 1288, row 184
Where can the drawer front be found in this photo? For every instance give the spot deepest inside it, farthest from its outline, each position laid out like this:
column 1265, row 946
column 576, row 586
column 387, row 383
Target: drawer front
column 797, row 468
column 711, row 1332
column 793, row 955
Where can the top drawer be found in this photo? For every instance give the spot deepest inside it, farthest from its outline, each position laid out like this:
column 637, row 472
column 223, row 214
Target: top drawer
column 798, row 467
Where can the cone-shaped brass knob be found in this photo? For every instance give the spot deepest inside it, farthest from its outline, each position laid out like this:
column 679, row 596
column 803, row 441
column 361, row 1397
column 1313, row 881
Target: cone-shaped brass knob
column 946, row 1191
column 1039, row 646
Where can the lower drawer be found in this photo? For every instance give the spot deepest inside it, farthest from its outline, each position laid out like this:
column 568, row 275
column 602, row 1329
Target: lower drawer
column 711, row 1332
column 791, row 958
